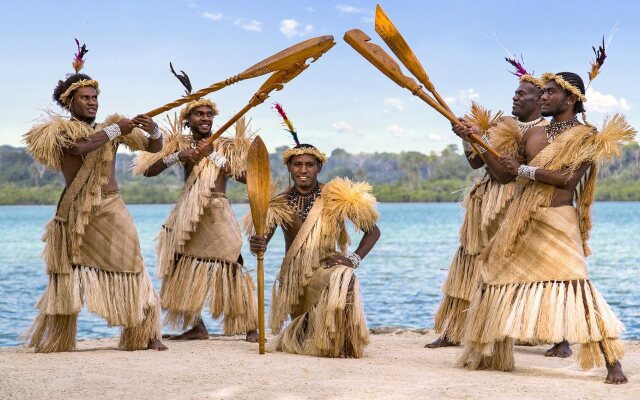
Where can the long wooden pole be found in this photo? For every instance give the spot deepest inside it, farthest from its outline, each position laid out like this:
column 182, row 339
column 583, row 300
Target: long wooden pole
column 259, row 189
column 261, row 338
column 399, row 46
column 389, row 67
column 275, row 82
column 283, row 60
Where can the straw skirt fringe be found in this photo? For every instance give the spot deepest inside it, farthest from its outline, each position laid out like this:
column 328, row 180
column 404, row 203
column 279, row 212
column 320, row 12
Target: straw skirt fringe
column 334, row 326
column 229, row 291
column 540, row 311
column 461, row 283
column 122, row 299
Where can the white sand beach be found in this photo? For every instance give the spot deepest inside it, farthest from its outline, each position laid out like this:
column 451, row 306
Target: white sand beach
column 395, row 366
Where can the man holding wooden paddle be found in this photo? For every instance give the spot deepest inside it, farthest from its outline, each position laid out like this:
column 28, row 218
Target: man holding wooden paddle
column 199, row 244
column 535, row 281
column 316, row 285
column 484, row 202
column 92, row 253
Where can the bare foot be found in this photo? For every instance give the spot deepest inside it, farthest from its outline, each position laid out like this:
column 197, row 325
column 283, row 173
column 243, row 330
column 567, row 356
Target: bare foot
column 252, row 337
column 562, row 350
column 198, row 332
column 156, row 344
column 615, row 376
column 441, row 342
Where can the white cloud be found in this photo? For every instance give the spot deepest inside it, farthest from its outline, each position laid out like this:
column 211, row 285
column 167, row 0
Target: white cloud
column 468, row 95
column 393, row 104
column 342, row 127
column 252, row 25
column 395, row 130
column 603, row 103
column 311, row 9
column 212, row 16
column 290, row 28
column 463, row 97
column 348, row 9
column 435, row 138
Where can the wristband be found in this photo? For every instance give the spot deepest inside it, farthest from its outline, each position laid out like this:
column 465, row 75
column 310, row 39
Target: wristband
column 171, row 159
column 218, row 159
column 485, row 139
column 527, row 171
column 355, row 259
column 112, row 131
column 155, row 133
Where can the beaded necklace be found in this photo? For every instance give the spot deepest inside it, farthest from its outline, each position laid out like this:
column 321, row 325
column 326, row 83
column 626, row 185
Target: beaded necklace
column 524, row 126
column 555, row 128
column 303, row 202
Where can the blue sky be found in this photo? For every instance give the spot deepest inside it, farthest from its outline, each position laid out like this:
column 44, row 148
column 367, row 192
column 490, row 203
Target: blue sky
column 339, row 101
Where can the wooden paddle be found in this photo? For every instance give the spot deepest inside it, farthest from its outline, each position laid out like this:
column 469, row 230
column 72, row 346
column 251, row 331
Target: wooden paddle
column 394, row 39
column 389, row 67
column 259, row 189
column 275, row 82
column 311, row 48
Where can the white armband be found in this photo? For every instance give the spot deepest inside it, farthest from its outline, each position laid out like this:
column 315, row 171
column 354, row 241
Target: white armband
column 112, row 131
column 527, row 171
column 355, row 259
column 171, row 159
column 155, row 134
column 218, row 159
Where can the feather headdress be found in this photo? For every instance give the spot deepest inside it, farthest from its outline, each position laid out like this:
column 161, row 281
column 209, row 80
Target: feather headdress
column 287, row 123
column 521, row 72
column 183, row 78
column 186, row 82
column 78, row 64
column 78, row 59
column 596, row 64
column 298, row 149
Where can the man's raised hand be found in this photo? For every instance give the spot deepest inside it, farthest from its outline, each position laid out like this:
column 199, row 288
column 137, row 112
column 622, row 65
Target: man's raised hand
column 144, row 122
column 126, row 125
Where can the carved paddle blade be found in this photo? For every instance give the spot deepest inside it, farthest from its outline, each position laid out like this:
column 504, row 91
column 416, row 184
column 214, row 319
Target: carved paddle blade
column 311, row 48
column 379, row 58
column 258, row 183
column 392, row 37
column 283, row 60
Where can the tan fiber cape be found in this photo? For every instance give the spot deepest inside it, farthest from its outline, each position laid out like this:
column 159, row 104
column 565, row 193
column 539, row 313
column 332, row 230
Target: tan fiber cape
column 327, row 314
column 484, row 204
column 92, row 254
column 199, row 244
column 535, row 281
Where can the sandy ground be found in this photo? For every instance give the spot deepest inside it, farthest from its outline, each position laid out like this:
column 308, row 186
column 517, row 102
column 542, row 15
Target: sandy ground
column 395, row 366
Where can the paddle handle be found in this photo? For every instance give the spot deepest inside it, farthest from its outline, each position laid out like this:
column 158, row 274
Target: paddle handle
column 429, row 86
column 196, row 95
column 261, row 339
column 452, row 118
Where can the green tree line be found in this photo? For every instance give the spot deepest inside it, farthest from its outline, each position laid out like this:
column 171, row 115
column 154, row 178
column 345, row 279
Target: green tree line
column 396, row 177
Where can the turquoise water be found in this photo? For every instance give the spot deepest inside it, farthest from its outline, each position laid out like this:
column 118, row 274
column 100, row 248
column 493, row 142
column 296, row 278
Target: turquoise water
column 400, row 279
